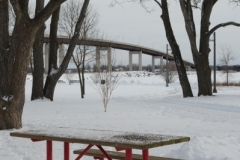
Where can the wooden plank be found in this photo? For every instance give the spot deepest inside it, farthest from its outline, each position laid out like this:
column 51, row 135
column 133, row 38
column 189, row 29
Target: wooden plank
column 118, row 155
column 101, row 137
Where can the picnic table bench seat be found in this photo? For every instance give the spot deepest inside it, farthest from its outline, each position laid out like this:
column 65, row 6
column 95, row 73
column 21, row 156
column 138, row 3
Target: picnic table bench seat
column 117, row 155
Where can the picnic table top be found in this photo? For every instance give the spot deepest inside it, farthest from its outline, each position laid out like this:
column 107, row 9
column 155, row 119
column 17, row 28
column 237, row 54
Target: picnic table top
column 132, row 140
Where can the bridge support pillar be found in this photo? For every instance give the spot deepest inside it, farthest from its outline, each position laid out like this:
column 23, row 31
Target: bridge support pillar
column 109, row 58
column 161, row 63
column 46, row 57
column 139, row 59
column 130, row 61
column 153, row 63
column 61, row 54
column 98, row 59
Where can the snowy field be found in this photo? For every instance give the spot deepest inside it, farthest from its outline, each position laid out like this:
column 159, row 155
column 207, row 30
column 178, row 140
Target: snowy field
column 141, row 103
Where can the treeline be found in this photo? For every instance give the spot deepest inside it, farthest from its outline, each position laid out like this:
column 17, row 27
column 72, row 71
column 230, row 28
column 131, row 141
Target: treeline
column 224, row 67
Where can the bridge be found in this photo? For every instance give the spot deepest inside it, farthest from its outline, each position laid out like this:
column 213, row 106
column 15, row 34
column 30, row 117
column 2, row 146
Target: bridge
column 107, row 45
column 102, row 44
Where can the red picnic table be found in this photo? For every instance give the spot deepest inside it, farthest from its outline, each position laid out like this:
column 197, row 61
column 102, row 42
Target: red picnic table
column 120, row 140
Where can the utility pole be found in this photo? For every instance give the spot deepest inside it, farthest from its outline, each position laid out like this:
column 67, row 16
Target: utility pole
column 167, row 72
column 214, row 62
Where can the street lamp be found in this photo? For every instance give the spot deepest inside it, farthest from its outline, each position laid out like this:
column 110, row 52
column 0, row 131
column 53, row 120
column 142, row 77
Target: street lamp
column 167, row 74
column 214, row 62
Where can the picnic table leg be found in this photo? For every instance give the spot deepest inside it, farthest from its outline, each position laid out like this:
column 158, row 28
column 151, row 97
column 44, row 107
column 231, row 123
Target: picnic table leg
column 83, row 152
column 128, row 154
column 66, row 151
column 49, row 150
column 104, row 152
column 145, row 154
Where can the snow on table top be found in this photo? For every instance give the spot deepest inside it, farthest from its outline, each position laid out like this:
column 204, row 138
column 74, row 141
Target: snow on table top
column 101, row 137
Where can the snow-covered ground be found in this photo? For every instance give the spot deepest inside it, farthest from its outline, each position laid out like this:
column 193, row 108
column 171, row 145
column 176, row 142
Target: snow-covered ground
column 141, row 103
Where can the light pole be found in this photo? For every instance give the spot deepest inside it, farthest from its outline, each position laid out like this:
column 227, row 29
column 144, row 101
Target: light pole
column 167, row 74
column 214, row 62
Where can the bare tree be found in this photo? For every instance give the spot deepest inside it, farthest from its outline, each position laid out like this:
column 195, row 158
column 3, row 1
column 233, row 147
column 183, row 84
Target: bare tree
column 172, row 73
column 15, row 56
column 226, row 56
column 55, row 72
column 183, row 79
column 84, row 54
column 105, row 81
column 200, row 52
column 82, row 58
column 235, row 1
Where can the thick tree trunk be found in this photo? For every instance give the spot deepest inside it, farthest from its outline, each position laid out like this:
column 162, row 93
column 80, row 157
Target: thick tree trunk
column 204, row 75
column 11, row 117
column 201, row 59
column 4, row 48
column 4, row 64
column 23, row 36
column 186, row 88
column 21, row 43
column 37, row 86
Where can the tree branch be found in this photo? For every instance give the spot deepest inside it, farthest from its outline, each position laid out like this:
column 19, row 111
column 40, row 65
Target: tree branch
column 16, row 8
column 222, row 25
column 75, row 37
column 186, row 8
column 47, row 11
column 160, row 5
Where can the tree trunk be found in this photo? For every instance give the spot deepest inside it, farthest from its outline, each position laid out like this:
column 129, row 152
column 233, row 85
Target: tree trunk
column 53, row 41
column 204, row 75
column 37, row 86
column 186, row 88
column 83, row 78
column 54, row 74
column 83, row 65
column 81, row 81
column 4, row 64
column 4, row 50
column 23, row 36
column 200, row 57
column 49, row 87
column 51, row 80
column 22, row 41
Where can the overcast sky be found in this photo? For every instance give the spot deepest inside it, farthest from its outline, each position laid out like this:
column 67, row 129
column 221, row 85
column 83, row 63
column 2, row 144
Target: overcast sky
column 131, row 23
